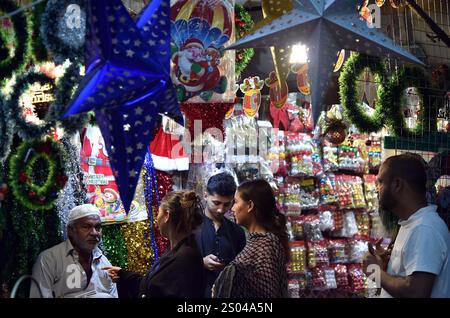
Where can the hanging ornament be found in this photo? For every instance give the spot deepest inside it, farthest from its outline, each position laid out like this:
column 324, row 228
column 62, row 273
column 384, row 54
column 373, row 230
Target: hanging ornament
column 278, row 90
column 340, row 61
column 251, row 87
column 335, row 130
column 325, row 27
column 302, row 78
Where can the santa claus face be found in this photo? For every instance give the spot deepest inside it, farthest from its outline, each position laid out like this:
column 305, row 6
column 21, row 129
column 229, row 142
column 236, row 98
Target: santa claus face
column 194, row 53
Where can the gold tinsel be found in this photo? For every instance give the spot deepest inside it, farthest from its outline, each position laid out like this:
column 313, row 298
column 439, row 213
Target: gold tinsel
column 140, row 252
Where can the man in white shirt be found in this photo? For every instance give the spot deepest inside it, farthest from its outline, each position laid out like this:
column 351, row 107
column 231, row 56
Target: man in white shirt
column 73, row 268
column 419, row 264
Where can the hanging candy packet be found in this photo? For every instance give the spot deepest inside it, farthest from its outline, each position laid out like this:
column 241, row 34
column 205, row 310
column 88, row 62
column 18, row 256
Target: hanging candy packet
column 312, row 228
column 371, row 193
column 298, row 257
column 337, row 251
column 317, row 254
column 327, row 189
column 309, row 194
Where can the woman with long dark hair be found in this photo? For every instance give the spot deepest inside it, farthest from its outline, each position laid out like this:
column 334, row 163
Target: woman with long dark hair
column 259, row 271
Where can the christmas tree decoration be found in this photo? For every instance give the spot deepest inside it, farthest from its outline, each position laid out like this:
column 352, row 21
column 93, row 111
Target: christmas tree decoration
column 244, row 23
column 125, row 84
column 325, row 27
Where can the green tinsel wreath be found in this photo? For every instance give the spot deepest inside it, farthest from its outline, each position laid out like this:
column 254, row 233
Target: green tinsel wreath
column 63, row 94
column 392, row 98
column 6, row 131
column 39, row 51
column 348, row 78
column 26, row 190
column 22, row 39
column 64, row 44
column 26, row 129
column 244, row 23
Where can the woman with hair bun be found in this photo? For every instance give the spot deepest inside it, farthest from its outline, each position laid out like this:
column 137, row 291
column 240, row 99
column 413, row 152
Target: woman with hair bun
column 259, row 271
column 179, row 272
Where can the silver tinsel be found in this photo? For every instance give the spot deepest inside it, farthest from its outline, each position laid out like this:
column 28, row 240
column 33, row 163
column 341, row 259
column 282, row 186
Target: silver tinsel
column 74, row 193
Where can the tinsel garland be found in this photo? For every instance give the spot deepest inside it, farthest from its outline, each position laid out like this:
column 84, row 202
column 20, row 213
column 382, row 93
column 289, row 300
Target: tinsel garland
column 140, row 251
column 348, row 79
column 63, row 94
column 74, row 193
column 42, row 195
column 244, row 23
column 6, row 131
column 393, row 99
column 39, row 51
column 22, row 39
column 58, row 37
column 150, row 184
column 113, row 245
column 164, row 185
column 211, row 115
column 26, row 129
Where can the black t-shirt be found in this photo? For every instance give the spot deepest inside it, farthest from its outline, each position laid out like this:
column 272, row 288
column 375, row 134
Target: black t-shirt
column 226, row 243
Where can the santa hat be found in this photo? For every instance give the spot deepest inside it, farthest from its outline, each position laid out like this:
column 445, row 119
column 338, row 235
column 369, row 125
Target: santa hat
column 168, row 153
column 192, row 43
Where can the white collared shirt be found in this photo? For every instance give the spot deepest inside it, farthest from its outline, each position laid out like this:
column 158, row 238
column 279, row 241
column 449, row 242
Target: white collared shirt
column 60, row 274
column 422, row 245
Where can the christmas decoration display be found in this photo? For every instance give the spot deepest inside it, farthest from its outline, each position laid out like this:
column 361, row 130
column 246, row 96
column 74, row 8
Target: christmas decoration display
column 102, row 190
column 199, row 30
column 244, row 23
column 65, row 37
column 36, row 173
column 340, row 27
column 122, row 94
column 22, row 36
column 251, row 88
column 6, row 131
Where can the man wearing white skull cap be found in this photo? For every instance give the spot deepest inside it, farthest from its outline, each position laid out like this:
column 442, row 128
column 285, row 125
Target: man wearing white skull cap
column 72, row 269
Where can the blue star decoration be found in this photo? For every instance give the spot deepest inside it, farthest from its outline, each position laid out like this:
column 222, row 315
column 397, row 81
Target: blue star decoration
column 325, row 27
column 127, row 83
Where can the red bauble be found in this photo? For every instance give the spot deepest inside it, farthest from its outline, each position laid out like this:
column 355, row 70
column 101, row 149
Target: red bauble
column 31, row 195
column 23, row 177
column 368, row 143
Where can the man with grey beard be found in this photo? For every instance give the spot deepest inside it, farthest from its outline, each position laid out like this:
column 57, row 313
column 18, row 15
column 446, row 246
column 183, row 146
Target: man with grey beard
column 73, row 268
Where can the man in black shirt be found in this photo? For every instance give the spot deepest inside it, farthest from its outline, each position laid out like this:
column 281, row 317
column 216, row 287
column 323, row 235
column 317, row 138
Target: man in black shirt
column 218, row 238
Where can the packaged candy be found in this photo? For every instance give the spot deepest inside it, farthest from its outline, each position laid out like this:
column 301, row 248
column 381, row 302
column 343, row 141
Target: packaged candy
column 363, row 222
column 297, row 227
column 327, row 189
column 337, row 251
column 293, row 288
column 326, row 221
column 317, row 254
column 309, row 194
column 356, row 278
column 330, row 157
column 371, row 193
column 357, row 248
column 330, row 278
column 303, row 154
column 312, row 228
column 298, row 257
column 282, row 154
column 302, row 281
